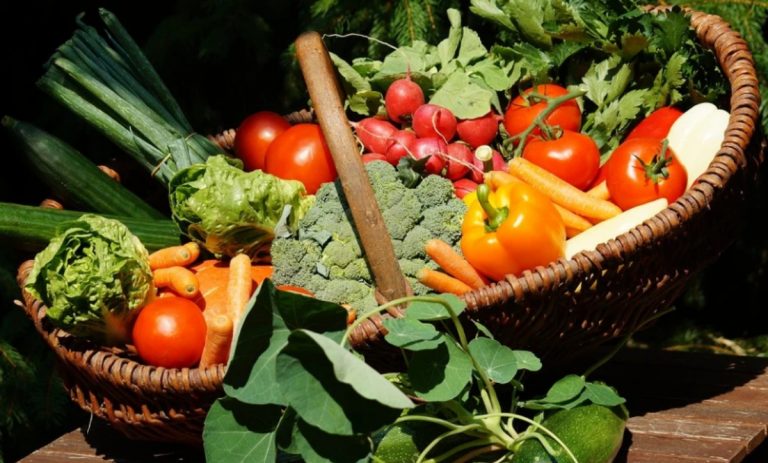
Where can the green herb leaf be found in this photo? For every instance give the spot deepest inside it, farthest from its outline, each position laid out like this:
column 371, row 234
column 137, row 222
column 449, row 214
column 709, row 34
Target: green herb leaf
column 332, row 389
column 271, row 315
column 239, row 432
column 602, row 394
column 411, row 334
column 529, row 17
column 446, row 49
column 433, row 310
column 350, row 74
column 489, row 10
column 440, row 374
column 464, row 98
column 471, row 47
column 366, row 103
column 565, row 389
column 498, row 361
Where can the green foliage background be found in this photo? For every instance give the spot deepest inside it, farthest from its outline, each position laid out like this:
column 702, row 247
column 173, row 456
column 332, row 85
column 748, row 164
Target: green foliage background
column 224, row 59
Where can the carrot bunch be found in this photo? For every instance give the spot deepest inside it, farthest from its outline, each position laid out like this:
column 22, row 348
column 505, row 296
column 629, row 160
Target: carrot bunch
column 221, row 291
column 457, row 275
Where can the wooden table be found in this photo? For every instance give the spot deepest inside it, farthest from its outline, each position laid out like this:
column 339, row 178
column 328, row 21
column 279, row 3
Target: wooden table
column 685, row 408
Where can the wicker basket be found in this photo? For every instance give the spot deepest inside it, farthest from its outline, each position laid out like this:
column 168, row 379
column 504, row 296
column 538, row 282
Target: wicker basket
column 568, row 306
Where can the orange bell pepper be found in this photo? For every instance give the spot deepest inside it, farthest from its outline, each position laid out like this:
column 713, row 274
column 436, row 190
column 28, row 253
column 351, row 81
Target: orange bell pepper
column 511, row 229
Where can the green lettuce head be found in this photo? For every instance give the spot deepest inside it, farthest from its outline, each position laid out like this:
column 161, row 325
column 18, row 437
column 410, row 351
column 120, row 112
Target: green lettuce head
column 93, row 278
column 229, row 211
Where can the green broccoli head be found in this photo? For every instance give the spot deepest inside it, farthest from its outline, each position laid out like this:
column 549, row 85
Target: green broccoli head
column 325, row 255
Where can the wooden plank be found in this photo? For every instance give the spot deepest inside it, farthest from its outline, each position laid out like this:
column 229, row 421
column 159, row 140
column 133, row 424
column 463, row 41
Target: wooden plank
column 696, row 449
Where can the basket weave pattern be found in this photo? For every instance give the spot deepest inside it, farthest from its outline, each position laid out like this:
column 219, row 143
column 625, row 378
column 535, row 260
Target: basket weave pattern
column 568, row 306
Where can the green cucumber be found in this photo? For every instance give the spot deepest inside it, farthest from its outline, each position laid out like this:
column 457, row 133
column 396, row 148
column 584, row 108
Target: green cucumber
column 73, row 178
column 30, row 228
column 592, row 432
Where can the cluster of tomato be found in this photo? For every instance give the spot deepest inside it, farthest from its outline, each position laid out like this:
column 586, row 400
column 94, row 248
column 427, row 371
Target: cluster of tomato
column 266, row 141
column 640, row 170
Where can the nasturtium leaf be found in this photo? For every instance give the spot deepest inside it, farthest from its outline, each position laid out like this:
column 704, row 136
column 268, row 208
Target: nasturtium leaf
column 527, row 360
column 498, row 361
column 565, row 389
column 483, row 329
column 270, row 316
column 411, row 334
column 332, row 389
column 238, row 432
column 433, row 310
column 601, row 394
column 440, row 374
column 316, row 446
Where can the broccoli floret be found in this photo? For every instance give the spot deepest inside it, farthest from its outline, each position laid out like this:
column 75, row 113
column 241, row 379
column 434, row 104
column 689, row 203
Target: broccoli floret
column 341, row 291
column 444, row 220
column 413, row 244
column 325, row 255
column 434, row 191
column 403, row 216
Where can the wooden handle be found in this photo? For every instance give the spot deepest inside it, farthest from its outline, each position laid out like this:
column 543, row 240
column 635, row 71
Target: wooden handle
column 325, row 93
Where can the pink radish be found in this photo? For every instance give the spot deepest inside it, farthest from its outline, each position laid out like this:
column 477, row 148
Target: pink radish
column 375, row 134
column 399, row 145
column 479, row 131
column 431, row 120
column 370, row 157
column 432, row 147
column 464, row 186
column 402, row 98
column 458, row 161
column 498, row 163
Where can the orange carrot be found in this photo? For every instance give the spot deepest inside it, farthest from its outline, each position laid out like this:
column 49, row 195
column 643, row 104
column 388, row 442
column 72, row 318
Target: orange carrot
column 173, row 256
column 497, row 178
column 600, row 191
column 179, row 279
column 562, row 192
column 239, row 286
column 441, row 282
column 218, row 338
column 453, row 263
column 573, row 222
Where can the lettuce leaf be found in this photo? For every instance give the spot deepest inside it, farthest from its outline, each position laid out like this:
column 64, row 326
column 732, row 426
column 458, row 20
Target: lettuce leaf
column 229, row 211
column 93, row 277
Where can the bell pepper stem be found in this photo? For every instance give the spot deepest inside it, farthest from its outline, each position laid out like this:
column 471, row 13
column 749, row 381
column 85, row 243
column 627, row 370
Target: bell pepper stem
column 495, row 215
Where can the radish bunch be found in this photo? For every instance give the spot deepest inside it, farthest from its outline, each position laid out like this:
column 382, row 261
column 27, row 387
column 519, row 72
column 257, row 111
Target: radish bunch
column 426, row 131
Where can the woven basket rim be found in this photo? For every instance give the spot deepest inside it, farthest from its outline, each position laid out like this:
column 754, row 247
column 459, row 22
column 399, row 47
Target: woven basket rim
column 111, row 366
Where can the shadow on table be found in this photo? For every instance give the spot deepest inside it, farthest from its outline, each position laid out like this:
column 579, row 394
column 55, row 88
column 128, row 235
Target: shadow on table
column 113, row 446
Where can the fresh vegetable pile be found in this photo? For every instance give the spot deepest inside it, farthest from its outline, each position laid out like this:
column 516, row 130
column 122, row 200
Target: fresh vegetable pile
column 583, row 120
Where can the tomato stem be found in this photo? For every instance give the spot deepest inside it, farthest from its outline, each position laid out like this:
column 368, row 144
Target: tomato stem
column 657, row 169
column 539, row 121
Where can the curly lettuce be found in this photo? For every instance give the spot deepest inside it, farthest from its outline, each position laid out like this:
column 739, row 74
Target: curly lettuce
column 93, row 277
column 229, row 211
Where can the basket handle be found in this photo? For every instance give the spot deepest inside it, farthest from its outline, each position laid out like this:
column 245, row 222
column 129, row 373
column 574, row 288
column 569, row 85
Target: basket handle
column 325, row 93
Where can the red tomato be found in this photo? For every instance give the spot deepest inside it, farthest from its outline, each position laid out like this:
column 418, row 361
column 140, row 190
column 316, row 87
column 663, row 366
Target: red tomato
column 520, row 113
column 300, row 153
column 638, row 172
column 170, row 333
column 254, row 136
column 574, row 157
column 599, row 178
column 657, row 124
